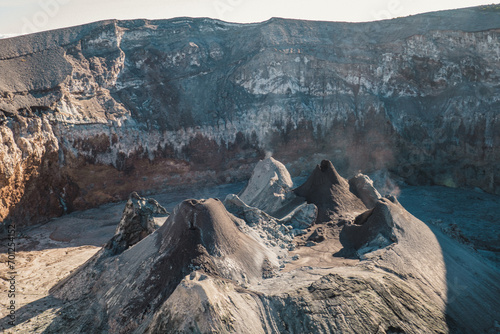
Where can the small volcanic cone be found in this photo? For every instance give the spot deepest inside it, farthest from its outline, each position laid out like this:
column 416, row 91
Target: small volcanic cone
column 131, row 286
column 329, row 192
column 269, row 193
column 236, row 255
column 362, row 186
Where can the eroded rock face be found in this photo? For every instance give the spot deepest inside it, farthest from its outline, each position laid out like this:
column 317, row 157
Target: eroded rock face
column 269, row 205
column 278, row 232
column 28, row 164
column 269, row 196
column 372, row 230
column 137, row 223
column 141, row 105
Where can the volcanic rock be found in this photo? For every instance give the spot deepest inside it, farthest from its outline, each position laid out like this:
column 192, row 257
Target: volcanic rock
column 208, row 305
column 90, row 113
column 302, row 216
column 236, row 255
column 329, row 192
column 137, row 222
column 362, row 186
column 372, row 230
column 269, row 187
column 278, row 213
column 205, row 270
column 399, row 288
column 318, row 235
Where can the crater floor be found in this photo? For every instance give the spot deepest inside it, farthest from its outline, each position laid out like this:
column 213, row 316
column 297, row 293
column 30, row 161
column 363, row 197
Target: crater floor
column 47, row 253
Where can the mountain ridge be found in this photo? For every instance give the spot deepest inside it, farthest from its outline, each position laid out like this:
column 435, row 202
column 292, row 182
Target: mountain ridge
column 97, row 111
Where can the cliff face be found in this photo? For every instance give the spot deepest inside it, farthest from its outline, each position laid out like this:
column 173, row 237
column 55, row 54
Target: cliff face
column 91, row 113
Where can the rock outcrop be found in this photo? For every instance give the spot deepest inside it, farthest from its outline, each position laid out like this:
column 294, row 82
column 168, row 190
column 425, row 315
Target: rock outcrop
column 269, row 188
column 362, row 186
column 372, row 230
column 137, row 222
column 91, row 113
column 269, row 205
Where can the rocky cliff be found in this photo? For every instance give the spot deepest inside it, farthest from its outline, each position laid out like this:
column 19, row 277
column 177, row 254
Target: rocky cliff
column 91, row 113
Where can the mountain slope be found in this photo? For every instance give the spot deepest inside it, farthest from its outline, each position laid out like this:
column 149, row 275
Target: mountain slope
column 91, row 113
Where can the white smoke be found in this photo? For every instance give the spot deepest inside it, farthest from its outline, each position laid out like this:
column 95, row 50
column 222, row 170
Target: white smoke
column 385, row 184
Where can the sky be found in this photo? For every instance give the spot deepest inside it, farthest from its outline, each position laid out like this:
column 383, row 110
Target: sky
column 28, row 16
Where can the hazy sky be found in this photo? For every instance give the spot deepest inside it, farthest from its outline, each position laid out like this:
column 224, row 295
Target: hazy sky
column 27, row 16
